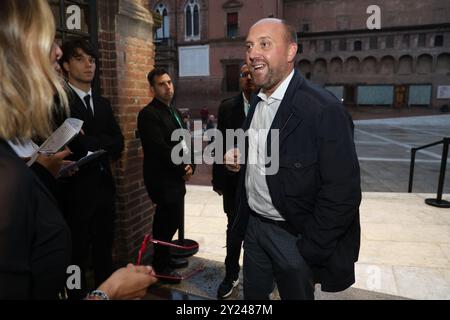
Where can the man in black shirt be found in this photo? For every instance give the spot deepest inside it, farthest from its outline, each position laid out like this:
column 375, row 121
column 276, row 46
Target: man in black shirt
column 164, row 180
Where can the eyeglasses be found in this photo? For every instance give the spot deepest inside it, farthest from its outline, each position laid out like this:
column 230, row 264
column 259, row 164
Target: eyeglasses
column 245, row 74
column 148, row 239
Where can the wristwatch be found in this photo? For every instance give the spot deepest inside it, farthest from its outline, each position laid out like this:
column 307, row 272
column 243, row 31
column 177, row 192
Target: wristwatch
column 97, row 295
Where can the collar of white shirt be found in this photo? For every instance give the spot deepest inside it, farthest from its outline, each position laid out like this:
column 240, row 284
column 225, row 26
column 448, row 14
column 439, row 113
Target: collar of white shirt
column 279, row 93
column 80, row 92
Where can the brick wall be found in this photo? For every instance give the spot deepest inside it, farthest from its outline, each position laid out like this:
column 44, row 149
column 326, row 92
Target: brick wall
column 126, row 56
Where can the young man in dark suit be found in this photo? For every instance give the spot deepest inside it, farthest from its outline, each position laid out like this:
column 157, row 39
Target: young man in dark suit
column 164, row 180
column 232, row 113
column 90, row 194
column 301, row 222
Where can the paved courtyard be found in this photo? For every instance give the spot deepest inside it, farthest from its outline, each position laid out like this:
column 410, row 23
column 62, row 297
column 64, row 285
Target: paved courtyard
column 384, row 151
column 405, row 244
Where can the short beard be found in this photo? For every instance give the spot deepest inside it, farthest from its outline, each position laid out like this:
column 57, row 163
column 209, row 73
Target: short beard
column 272, row 81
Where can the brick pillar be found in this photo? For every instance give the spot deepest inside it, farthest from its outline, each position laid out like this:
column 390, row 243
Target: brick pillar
column 126, row 56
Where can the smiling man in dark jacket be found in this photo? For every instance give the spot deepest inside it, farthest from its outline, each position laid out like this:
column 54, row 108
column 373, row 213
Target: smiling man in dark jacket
column 301, row 224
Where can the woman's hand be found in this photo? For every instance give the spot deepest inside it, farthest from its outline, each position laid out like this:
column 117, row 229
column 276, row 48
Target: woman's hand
column 54, row 162
column 129, row 283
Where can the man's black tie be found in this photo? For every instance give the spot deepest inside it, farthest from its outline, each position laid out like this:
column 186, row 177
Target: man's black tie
column 87, row 101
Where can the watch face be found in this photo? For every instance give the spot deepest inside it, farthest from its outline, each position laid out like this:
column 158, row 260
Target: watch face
column 98, row 294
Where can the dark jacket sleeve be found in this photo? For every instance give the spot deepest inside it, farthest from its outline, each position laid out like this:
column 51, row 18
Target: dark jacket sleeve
column 46, row 178
column 152, row 138
column 16, row 219
column 338, row 199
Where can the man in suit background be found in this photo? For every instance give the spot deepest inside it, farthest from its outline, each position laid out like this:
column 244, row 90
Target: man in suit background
column 231, row 115
column 165, row 181
column 301, row 224
column 89, row 203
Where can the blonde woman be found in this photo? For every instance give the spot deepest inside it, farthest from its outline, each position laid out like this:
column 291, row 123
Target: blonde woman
column 34, row 238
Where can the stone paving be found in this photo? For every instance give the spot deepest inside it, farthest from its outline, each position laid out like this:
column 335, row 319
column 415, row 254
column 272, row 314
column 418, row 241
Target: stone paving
column 384, row 152
column 405, row 248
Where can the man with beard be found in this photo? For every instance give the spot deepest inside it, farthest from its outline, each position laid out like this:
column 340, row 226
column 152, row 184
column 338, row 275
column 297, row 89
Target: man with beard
column 165, row 181
column 301, row 223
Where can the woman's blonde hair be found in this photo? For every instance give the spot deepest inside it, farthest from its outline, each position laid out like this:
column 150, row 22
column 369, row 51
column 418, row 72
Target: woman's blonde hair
column 28, row 80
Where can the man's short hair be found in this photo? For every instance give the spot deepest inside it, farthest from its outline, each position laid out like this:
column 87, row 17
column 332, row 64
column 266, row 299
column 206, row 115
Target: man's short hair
column 291, row 33
column 70, row 49
column 156, row 72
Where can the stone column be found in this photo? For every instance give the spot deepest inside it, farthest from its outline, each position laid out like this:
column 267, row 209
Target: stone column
column 126, row 56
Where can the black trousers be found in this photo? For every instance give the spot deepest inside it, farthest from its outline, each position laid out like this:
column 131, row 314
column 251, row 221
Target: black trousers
column 91, row 221
column 271, row 256
column 165, row 224
column 234, row 242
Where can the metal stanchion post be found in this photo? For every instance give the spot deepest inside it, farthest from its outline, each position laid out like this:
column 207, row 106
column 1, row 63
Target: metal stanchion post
column 178, row 255
column 411, row 169
column 438, row 202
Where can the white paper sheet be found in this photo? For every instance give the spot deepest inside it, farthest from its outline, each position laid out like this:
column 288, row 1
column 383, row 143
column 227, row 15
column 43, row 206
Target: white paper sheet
column 58, row 139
